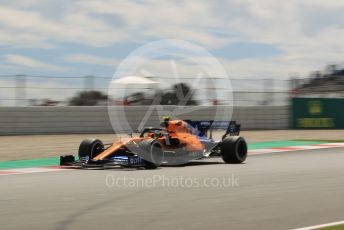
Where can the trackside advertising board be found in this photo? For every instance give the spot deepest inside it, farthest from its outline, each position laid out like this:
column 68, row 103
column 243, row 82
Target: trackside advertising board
column 318, row 113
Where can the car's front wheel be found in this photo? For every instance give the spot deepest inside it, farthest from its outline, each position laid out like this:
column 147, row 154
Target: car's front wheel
column 90, row 148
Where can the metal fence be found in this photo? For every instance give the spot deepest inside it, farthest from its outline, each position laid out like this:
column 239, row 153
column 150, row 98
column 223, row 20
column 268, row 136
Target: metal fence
column 25, row 90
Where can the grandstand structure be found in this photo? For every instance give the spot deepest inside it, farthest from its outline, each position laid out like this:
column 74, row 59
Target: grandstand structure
column 327, row 83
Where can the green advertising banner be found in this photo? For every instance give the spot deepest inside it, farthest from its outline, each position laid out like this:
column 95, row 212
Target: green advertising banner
column 318, row 113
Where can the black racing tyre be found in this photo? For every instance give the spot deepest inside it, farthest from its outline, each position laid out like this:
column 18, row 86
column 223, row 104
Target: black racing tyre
column 90, row 148
column 149, row 165
column 152, row 153
column 233, row 150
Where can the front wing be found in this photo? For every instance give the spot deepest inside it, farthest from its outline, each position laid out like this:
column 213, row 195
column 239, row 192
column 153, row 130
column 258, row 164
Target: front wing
column 117, row 161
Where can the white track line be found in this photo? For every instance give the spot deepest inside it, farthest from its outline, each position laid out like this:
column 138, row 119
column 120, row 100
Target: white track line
column 295, row 148
column 28, row 170
column 321, row 226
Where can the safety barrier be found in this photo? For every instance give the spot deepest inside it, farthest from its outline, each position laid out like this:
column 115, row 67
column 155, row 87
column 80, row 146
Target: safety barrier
column 95, row 119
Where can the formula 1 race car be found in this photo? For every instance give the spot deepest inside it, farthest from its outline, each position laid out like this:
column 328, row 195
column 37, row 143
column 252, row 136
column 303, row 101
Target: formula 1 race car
column 176, row 142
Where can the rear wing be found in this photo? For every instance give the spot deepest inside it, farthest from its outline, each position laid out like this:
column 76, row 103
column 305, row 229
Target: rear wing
column 206, row 127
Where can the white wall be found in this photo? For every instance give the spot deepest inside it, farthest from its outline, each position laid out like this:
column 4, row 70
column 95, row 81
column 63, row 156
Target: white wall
column 95, row 119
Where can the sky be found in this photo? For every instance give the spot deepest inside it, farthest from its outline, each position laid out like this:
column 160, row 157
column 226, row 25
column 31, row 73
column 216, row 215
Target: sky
column 251, row 39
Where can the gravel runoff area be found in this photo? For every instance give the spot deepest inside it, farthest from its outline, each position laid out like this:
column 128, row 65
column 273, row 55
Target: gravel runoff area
column 37, row 146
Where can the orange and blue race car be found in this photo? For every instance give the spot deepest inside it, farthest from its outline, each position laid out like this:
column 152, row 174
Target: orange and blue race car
column 176, row 142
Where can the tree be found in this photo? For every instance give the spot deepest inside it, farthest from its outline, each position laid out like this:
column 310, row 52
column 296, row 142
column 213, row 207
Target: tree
column 88, row 98
column 181, row 94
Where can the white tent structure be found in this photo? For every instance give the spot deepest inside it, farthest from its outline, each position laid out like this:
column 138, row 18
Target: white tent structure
column 134, row 81
column 125, row 86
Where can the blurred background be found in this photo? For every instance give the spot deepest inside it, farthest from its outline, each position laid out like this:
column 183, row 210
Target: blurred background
column 26, row 90
column 58, row 59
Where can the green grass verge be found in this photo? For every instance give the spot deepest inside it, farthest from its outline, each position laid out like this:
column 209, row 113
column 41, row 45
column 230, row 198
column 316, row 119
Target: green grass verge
column 338, row 227
column 39, row 162
column 281, row 144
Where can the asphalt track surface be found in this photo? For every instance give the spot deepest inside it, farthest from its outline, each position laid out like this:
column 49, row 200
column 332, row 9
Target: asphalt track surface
column 273, row 191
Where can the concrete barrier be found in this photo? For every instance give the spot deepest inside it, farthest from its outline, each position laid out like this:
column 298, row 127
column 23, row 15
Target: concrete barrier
column 95, row 119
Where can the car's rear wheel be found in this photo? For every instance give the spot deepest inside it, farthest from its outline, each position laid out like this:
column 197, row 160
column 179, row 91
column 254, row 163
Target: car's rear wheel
column 152, row 153
column 90, row 148
column 233, row 150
